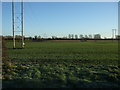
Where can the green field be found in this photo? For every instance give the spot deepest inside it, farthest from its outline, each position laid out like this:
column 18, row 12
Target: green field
column 63, row 64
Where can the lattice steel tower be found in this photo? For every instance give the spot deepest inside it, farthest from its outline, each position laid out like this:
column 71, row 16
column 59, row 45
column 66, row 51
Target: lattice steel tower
column 17, row 24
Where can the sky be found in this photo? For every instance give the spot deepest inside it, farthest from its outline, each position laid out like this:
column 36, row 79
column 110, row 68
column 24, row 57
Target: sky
column 0, row 18
column 62, row 18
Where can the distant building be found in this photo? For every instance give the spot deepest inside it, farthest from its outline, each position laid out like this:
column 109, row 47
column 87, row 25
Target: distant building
column 97, row 36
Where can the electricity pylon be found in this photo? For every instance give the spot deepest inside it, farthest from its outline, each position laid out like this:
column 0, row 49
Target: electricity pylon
column 17, row 23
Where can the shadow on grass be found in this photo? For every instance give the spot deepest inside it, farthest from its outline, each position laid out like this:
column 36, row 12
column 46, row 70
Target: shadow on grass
column 55, row 84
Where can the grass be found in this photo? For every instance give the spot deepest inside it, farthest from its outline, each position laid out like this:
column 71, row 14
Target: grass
column 63, row 64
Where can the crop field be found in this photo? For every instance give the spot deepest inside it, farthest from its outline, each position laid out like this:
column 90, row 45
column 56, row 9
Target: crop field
column 68, row 64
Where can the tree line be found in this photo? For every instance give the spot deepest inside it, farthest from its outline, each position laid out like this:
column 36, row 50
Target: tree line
column 70, row 36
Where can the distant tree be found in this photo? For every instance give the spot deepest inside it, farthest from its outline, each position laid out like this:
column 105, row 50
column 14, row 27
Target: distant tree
column 105, row 38
column 72, row 36
column 35, row 37
column 39, row 37
column 90, row 36
column 118, row 37
column 30, row 38
column 64, row 37
column 8, row 37
column 86, row 36
column 76, row 36
column 97, row 36
column 69, row 36
column 54, row 37
column 18, row 37
column 81, row 36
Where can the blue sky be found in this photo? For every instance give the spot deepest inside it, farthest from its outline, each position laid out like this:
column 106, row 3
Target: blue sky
column 62, row 18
